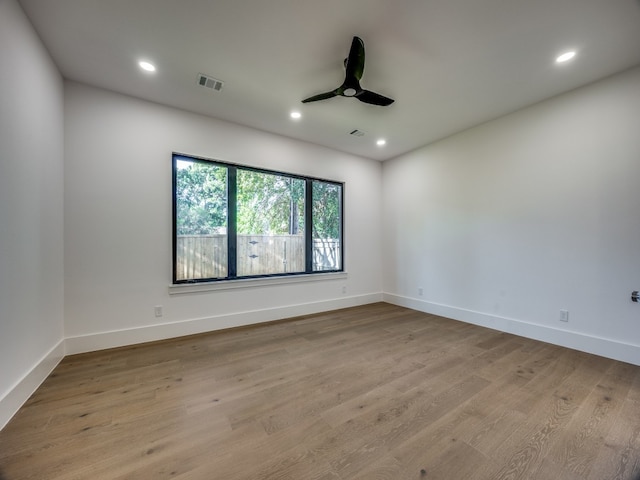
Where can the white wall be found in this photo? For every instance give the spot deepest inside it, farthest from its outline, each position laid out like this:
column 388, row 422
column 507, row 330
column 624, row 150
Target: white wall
column 118, row 222
column 31, row 211
column 507, row 223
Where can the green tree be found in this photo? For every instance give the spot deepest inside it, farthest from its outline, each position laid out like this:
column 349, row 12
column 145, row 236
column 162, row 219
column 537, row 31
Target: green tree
column 201, row 198
column 326, row 210
column 269, row 204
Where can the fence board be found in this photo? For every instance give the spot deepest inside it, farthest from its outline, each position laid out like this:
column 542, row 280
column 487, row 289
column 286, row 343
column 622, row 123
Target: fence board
column 205, row 256
column 264, row 255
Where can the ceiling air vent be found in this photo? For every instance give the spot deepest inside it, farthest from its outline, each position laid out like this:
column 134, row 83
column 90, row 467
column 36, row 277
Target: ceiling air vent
column 210, row 82
column 357, row 133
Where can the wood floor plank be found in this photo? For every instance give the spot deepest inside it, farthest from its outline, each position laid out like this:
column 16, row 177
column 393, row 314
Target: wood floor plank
column 578, row 445
column 619, row 455
column 372, row 392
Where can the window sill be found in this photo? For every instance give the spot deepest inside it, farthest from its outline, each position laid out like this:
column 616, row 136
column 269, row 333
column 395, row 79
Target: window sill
column 185, row 288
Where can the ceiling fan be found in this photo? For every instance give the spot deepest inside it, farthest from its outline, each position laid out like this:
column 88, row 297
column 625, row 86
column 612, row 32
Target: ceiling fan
column 354, row 65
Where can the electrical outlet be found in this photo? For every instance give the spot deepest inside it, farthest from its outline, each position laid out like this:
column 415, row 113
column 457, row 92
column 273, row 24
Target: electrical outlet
column 564, row 315
column 158, row 310
column 420, row 291
column 344, row 289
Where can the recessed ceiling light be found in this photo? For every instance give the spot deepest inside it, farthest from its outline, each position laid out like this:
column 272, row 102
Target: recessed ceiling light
column 146, row 66
column 296, row 115
column 381, row 142
column 565, row 57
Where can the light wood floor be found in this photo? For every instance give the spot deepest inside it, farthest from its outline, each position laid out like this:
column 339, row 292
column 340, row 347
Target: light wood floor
column 376, row 392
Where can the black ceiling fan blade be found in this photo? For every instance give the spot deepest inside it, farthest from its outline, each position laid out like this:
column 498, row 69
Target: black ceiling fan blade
column 321, row 96
column 374, row 98
column 354, row 65
column 355, row 61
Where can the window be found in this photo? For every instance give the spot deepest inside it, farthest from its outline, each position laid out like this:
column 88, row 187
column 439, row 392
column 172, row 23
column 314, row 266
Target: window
column 232, row 221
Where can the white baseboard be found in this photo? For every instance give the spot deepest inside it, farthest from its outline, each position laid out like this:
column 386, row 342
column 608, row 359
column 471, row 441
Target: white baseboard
column 120, row 338
column 613, row 349
column 20, row 393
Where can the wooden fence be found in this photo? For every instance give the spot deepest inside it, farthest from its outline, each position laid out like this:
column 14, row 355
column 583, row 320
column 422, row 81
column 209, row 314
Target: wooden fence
column 201, row 256
column 205, row 256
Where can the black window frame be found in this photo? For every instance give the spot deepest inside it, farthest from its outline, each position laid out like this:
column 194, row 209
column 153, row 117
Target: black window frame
column 232, row 169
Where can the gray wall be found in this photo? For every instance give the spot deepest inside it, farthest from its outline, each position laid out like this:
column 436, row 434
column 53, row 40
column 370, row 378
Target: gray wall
column 31, row 210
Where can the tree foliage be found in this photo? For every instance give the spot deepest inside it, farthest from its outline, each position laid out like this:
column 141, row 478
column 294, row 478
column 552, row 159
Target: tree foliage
column 326, row 210
column 201, row 198
column 267, row 204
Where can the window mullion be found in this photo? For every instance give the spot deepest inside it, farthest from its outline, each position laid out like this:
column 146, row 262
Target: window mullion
column 308, row 225
column 232, row 224
column 174, row 209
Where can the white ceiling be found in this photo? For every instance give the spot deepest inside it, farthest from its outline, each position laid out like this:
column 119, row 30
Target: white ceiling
column 449, row 64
